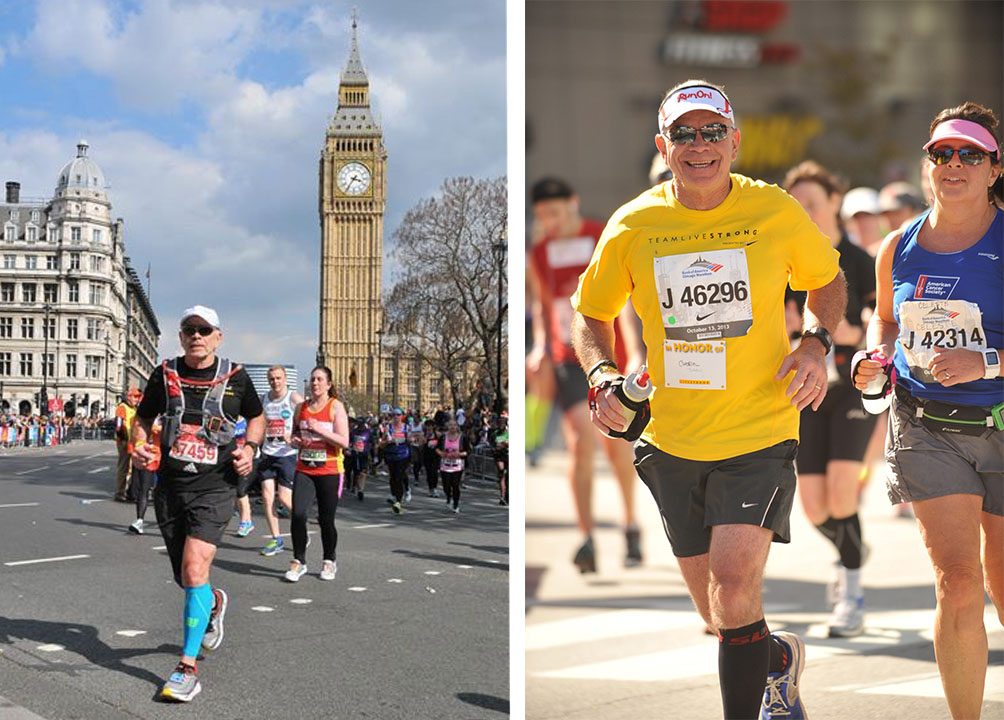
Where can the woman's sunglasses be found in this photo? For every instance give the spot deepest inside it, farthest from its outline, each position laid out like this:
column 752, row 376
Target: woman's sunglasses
column 203, row 330
column 967, row 156
column 684, row 134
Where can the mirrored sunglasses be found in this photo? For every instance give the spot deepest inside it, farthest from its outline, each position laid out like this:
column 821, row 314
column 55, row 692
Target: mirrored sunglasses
column 684, row 134
column 967, row 155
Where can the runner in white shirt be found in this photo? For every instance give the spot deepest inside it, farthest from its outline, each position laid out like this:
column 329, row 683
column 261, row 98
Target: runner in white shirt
column 278, row 459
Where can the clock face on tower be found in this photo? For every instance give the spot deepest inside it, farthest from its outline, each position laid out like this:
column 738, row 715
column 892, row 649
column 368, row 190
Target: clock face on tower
column 353, row 178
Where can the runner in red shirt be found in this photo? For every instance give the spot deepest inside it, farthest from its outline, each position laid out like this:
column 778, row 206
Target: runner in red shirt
column 563, row 244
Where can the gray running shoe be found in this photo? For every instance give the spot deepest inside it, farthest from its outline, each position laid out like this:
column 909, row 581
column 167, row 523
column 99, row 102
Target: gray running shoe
column 183, row 685
column 633, row 537
column 214, row 631
column 848, row 618
column 585, row 557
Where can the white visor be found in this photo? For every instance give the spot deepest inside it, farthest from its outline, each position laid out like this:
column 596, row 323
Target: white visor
column 694, row 97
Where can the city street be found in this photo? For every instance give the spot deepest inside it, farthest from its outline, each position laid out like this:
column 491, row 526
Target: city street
column 626, row 643
column 414, row 626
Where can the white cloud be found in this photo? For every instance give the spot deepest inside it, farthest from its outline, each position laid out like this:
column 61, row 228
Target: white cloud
column 228, row 216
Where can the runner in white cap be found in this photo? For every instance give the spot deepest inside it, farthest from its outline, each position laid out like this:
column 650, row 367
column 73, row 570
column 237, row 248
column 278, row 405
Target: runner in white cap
column 700, row 257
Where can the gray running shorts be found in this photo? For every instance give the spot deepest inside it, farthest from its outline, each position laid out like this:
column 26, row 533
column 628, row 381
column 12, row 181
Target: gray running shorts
column 757, row 488
column 927, row 464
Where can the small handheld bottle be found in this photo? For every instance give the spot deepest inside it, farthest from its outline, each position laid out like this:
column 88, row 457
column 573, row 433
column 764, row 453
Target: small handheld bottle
column 877, row 395
column 634, row 392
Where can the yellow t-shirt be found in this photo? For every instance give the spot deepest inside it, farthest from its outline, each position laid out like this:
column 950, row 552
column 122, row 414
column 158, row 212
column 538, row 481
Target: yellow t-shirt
column 709, row 287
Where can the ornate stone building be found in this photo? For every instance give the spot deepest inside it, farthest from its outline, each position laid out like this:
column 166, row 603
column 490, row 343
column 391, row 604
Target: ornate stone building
column 73, row 317
column 353, row 190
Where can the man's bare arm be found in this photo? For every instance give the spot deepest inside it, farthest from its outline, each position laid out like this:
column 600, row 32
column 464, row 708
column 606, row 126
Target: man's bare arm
column 593, row 341
column 825, row 306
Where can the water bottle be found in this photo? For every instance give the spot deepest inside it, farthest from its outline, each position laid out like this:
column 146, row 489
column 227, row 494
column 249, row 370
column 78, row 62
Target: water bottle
column 634, row 392
column 878, row 394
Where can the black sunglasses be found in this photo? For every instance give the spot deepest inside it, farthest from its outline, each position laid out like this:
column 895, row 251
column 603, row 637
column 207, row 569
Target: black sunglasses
column 203, row 330
column 684, row 134
column 967, row 156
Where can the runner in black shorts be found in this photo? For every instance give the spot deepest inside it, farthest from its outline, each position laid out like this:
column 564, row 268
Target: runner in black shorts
column 200, row 396
column 833, row 440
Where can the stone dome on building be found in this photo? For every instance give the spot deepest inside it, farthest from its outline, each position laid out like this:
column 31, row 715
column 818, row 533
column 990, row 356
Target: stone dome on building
column 81, row 173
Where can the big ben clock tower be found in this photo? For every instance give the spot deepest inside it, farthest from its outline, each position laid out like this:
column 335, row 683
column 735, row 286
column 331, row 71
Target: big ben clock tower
column 353, row 188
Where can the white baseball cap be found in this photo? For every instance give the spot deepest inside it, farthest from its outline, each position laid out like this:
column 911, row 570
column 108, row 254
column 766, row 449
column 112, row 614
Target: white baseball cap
column 694, row 97
column 860, row 200
column 206, row 313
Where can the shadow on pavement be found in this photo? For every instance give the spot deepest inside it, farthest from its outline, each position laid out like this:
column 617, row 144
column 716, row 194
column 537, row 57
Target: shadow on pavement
column 498, row 549
column 489, row 702
column 454, row 559
column 240, row 568
column 82, row 640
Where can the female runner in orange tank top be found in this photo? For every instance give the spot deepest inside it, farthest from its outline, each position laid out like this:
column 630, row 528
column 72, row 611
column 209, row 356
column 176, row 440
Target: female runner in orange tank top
column 320, row 434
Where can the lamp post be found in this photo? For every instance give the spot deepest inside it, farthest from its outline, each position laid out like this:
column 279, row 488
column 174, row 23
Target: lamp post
column 378, row 375
column 108, row 347
column 44, row 397
column 499, row 248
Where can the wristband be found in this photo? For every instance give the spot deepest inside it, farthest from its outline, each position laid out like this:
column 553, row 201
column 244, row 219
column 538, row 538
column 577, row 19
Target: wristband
column 600, row 366
column 252, row 444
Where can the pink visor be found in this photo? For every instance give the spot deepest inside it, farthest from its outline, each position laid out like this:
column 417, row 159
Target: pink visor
column 965, row 130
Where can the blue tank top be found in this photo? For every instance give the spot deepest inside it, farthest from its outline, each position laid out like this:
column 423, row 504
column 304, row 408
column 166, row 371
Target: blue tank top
column 948, row 300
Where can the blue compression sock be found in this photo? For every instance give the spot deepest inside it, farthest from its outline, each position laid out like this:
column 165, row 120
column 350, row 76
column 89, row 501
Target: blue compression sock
column 198, row 606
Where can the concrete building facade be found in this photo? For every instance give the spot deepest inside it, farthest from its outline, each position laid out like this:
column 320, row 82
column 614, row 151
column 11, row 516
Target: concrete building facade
column 75, row 324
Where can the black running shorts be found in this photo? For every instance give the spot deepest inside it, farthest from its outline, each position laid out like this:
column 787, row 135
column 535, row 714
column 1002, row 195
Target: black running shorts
column 572, row 387
column 839, row 430
column 182, row 513
column 282, row 469
column 757, row 488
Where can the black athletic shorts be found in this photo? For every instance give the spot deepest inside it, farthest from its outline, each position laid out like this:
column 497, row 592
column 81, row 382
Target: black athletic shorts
column 572, row 387
column 182, row 513
column 757, row 488
column 839, row 430
column 282, row 469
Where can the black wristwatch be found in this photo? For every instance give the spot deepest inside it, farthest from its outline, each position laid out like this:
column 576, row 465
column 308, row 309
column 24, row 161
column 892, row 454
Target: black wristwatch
column 253, row 445
column 821, row 334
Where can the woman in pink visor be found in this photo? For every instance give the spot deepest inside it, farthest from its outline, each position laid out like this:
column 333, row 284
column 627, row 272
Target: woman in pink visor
column 940, row 319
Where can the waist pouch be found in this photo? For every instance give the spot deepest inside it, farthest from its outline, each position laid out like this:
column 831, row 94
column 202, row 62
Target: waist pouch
column 942, row 417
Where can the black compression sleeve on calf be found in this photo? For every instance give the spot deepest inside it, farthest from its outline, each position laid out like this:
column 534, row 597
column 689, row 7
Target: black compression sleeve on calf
column 849, row 541
column 829, row 530
column 743, row 660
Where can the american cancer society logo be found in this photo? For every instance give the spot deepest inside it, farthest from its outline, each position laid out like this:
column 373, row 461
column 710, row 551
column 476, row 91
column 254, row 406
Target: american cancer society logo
column 934, row 287
column 701, row 268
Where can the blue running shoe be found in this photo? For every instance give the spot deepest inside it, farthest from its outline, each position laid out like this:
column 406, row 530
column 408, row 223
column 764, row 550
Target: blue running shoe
column 781, row 698
column 244, row 528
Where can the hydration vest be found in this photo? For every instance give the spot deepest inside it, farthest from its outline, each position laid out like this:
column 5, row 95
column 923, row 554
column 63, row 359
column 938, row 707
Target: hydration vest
column 216, row 428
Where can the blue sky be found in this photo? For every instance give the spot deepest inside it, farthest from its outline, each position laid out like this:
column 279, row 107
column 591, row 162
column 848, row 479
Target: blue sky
column 208, row 118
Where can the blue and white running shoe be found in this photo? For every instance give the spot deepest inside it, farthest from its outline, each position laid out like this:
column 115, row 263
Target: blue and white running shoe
column 781, row 699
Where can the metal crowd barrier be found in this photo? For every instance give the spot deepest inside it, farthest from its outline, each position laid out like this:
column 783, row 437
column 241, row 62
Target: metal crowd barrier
column 481, row 463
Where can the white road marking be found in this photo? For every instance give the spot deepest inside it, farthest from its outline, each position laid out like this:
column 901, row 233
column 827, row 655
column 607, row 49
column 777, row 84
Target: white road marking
column 159, row 547
column 68, row 462
column 25, row 472
column 10, row 505
column 432, row 590
column 130, row 633
column 92, row 501
column 50, row 648
column 445, row 519
column 301, row 601
column 606, row 626
column 495, row 562
column 357, row 589
column 466, row 567
column 929, row 686
column 45, row 560
column 263, row 608
column 375, row 525
column 16, row 712
column 103, row 468
column 433, row 572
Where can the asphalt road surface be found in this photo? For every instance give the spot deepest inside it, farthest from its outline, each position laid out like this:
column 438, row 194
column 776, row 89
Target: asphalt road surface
column 414, row 626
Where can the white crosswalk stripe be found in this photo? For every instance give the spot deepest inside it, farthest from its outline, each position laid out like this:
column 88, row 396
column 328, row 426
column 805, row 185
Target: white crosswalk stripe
column 591, row 633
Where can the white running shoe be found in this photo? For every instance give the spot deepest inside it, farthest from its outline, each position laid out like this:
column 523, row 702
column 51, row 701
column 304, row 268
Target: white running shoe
column 137, row 527
column 407, row 496
column 328, row 570
column 848, row 618
column 296, row 571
